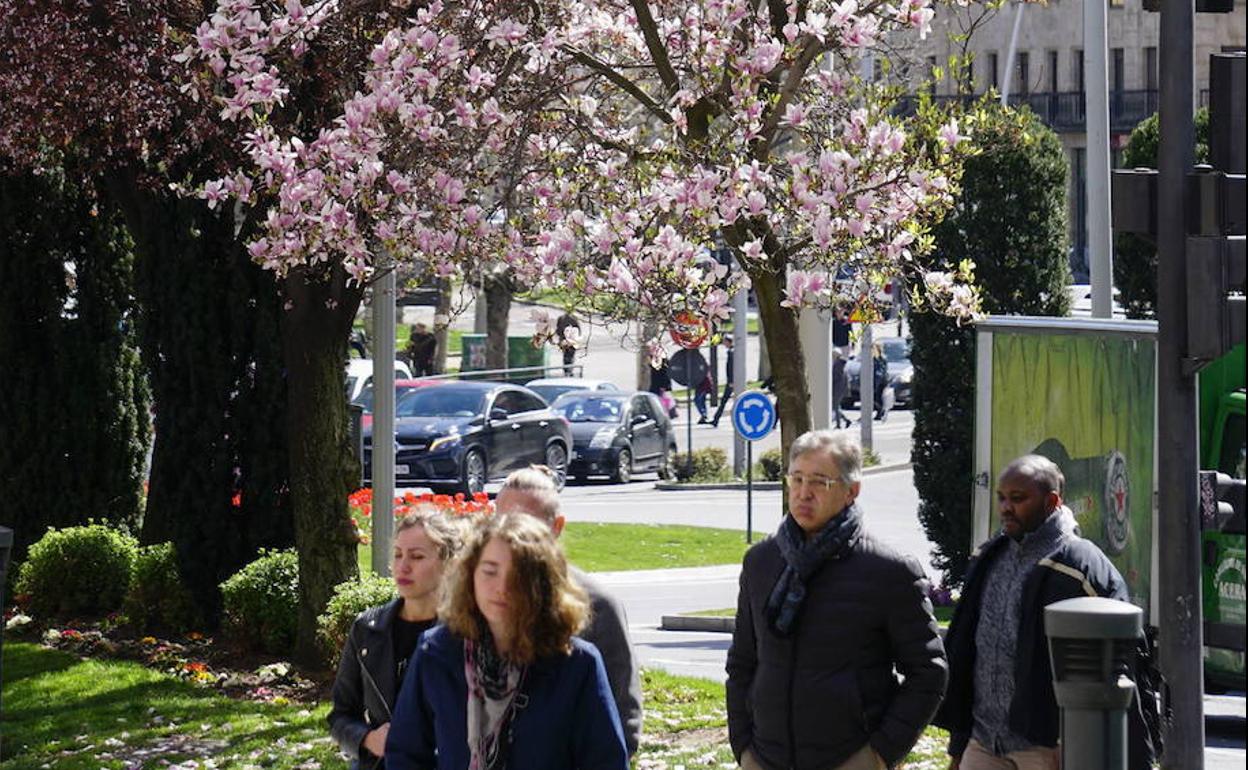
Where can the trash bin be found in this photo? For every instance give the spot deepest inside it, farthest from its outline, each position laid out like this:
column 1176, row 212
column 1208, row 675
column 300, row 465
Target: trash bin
column 521, row 353
column 1092, row 644
column 472, row 353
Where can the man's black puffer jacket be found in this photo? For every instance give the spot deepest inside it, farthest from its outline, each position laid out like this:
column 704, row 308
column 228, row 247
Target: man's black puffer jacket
column 815, row 698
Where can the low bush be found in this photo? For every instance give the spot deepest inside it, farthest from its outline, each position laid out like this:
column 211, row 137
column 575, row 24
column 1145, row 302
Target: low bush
column 158, row 600
column 261, row 602
column 350, row 599
column 709, row 464
column 77, row 571
column 771, row 465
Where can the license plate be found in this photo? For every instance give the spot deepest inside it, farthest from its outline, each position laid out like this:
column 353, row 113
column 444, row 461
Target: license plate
column 401, row 470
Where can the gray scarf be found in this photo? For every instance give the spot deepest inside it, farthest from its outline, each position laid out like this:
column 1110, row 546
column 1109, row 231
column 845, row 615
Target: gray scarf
column 494, row 696
column 803, row 558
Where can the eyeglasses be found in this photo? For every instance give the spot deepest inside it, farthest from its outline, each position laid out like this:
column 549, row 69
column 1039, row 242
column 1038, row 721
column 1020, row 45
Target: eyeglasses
column 819, row 483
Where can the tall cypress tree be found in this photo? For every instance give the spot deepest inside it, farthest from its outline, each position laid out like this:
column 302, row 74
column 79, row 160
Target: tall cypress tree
column 74, row 408
column 1010, row 220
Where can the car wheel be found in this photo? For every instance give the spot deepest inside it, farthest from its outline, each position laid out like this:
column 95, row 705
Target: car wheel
column 623, row 467
column 667, row 469
column 557, row 461
column 474, row 474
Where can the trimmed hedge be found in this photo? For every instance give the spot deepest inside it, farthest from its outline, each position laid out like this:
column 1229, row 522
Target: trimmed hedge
column 158, row 600
column 351, row 597
column 261, row 602
column 709, row 464
column 77, row 571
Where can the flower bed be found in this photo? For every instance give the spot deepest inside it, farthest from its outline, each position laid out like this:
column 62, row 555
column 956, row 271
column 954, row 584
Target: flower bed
column 360, row 505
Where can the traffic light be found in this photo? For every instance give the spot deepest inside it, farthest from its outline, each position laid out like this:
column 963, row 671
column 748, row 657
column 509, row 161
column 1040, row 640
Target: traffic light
column 1221, row 502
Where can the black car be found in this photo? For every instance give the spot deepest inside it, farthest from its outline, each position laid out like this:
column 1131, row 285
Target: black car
column 461, row 435
column 617, row 434
column 900, row 371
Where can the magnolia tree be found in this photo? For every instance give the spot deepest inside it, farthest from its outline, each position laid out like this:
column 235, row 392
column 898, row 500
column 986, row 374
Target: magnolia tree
column 598, row 145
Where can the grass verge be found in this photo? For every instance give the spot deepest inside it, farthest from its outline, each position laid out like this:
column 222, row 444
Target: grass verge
column 65, row 712
column 619, row 547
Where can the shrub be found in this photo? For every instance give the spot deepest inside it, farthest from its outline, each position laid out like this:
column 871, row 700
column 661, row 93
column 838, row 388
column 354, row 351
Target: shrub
column 158, row 599
column 77, row 570
column 261, row 602
column 709, row 464
column 1010, row 220
column 771, row 463
column 351, row 597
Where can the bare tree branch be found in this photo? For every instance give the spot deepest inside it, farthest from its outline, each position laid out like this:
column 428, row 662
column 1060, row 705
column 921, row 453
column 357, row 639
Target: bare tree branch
column 624, row 83
column 650, row 31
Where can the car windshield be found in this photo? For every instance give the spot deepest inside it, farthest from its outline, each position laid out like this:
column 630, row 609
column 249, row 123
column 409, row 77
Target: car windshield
column 440, row 402
column 896, row 350
column 550, row 392
column 582, row 409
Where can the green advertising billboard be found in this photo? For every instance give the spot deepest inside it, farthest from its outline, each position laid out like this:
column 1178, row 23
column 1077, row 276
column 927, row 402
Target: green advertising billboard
column 1081, row 394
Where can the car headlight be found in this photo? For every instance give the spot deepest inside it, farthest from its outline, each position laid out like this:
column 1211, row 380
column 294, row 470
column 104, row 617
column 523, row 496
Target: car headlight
column 906, row 376
column 602, row 439
column 445, row 441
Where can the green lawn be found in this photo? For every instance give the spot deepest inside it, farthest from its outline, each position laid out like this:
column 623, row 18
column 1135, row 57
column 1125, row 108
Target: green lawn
column 64, row 712
column 612, row 547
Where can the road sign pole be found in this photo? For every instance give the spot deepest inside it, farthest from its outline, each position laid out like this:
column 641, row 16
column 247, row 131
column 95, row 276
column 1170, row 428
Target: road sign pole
column 749, row 492
column 688, row 430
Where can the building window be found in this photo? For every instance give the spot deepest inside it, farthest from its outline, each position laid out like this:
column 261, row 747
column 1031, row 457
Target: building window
column 1022, row 73
column 1117, row 72
column 877, row 69
column 1117, row 3
column 1150, row 68
column 1077, row 70
column 931, row 75
column 1053, row 86
column 993, row 69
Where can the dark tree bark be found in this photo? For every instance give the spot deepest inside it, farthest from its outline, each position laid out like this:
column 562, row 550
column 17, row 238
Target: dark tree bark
column 498, row 291
column 315, row 329
column 784, row 350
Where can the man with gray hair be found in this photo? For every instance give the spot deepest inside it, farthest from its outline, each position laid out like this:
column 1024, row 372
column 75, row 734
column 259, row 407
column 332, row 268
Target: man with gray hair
column 532, row 490
column 836, row 662
column 1000, row 710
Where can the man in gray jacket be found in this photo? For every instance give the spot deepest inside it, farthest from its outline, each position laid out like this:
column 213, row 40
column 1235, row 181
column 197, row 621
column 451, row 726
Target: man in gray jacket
column 827, row 620
column 531, row 490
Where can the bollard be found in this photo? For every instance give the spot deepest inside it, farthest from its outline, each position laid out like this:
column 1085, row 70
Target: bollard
column 1092, row 644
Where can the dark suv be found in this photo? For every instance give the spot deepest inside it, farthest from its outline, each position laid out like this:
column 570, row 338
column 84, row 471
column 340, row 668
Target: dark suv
column 617, row 434
column 461, row 435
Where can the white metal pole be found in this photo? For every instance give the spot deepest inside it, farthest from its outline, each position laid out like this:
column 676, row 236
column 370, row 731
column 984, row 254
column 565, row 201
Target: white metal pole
column 740, row 351
column 1010, row 54
column 1100, row 254
column 383, row 419
column 866, row 387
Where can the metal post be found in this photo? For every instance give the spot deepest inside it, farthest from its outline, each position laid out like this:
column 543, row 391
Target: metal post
column 1179, row 605
column 383, row 419
column 689, row 426
column 1096, row 176
column 1010, row 53
column 816, row 340
column 740, row 341
column 866, row 387
column 749, row 492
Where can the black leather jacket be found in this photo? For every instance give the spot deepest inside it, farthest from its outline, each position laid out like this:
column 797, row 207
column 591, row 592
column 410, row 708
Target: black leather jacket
column 365, row 686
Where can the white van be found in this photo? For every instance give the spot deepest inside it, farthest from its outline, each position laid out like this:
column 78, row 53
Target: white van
column 360, row 375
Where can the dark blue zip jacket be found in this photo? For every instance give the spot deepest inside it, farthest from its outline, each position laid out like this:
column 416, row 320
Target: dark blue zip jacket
column 568, row 723
column 1077, row 568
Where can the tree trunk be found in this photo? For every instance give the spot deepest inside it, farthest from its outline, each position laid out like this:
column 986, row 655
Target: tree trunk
column 497, row 312
column 784, row 351
column 315, row 330
column 210, row 342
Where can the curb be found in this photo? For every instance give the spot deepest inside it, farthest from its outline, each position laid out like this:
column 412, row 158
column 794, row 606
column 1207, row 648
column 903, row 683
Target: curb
column 676, row 486
column 719, row 624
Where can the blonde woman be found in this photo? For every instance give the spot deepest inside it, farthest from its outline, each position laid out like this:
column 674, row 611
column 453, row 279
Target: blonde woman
column 383, row 639
column 503, row 683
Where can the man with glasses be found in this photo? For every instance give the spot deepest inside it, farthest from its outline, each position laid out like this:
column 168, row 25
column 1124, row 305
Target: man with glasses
column 836, row 663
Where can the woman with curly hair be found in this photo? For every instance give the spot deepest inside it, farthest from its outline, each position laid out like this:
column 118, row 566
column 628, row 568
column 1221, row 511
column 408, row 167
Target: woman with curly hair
column 503, row 683
column 382, row 639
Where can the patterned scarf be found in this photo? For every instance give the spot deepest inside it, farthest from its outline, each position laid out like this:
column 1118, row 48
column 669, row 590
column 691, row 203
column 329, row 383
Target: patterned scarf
column 803, row 558
column 494, row 697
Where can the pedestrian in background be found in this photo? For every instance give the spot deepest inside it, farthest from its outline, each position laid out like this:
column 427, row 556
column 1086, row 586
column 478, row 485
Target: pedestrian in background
column 840, row 388
column 836, row 662
column 421, row 348
column 382, row 639
column 1000, row 709
column 700, row 394
column 723, row 401
column 531, row 490
column 879, row 374
column 568, row 340
column 503, row 684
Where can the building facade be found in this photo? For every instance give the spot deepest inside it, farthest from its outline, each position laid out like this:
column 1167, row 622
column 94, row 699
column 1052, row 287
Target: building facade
column 1048, row 73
